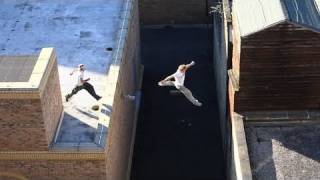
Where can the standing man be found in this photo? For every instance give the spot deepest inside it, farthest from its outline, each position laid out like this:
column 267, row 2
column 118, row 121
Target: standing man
column 178, row 82
column 82, row 84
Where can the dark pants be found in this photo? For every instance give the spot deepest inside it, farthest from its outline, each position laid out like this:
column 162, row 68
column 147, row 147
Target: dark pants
column 87, row 86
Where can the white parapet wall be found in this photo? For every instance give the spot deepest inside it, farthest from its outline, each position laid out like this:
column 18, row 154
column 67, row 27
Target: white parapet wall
column 241, row 169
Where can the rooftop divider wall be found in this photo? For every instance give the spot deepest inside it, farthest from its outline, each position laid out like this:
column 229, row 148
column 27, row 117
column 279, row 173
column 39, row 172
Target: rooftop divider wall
column 124, row 81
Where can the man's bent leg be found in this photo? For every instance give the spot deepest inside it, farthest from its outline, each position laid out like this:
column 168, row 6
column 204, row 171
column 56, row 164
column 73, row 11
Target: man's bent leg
column 90, row 89
column 189, row 95
column 74, row 91
column 166, row 83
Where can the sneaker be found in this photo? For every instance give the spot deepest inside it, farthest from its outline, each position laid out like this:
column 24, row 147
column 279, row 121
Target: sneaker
column 67, row 97
column 197, row 103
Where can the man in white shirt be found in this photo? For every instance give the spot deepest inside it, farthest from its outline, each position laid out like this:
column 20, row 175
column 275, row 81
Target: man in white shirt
column 178, row 82
column 82, row 84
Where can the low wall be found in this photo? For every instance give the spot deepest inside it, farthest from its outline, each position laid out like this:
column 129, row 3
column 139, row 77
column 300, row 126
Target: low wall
column 238, row 158
column 123, row 82
column 155, row 12
column 240, row 164
column 51, row 102
column 52, row 166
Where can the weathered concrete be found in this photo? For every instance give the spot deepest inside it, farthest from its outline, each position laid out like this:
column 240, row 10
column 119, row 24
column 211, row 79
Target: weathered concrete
column 284, row 152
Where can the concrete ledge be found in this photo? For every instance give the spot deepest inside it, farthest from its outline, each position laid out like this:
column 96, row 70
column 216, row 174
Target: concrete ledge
column 32, row 89
column 240, row 149
column 270, row 118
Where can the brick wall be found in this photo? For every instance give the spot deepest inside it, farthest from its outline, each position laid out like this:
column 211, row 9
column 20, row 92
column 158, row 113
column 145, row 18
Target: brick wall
column 22, row 127
column 53, row 170
column 123, row 120
column 173, row 12
column 51, row 102
column 30, row 114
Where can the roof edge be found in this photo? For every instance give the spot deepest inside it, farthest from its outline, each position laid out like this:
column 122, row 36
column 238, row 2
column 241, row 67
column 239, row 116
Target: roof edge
column 264, row 28
column 279, row 22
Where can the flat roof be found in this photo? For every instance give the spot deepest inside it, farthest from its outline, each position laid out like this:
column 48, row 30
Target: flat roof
column 16, row 68
column 284, row 152
column 82, row 32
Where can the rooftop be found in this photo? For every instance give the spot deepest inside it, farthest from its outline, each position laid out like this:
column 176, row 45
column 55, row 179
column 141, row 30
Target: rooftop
column 80, row 31
column 16, row 68
column 284, row 152
column 256, row 15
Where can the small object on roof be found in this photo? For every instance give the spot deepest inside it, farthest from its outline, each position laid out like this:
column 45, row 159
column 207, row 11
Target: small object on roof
column 95, row 107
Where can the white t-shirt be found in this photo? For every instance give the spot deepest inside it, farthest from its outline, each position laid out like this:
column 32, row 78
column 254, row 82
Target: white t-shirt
column 179, row 78
column 80, row 75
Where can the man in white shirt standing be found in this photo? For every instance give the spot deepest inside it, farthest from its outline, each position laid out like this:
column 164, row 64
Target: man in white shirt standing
column 178, row 82
column 82, row 84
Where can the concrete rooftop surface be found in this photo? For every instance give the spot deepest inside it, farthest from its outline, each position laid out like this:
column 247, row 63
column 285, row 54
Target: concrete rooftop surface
column 284, row 152
column 80, row 31
column 16, row 68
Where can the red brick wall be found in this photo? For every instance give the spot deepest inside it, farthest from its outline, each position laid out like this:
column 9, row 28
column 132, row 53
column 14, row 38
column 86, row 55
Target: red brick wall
column 51, row 103
column 236, row 41
column 21, row 124
column 54, row 170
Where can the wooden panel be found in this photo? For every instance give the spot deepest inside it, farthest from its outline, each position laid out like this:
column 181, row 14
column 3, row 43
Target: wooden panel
column 279, row 70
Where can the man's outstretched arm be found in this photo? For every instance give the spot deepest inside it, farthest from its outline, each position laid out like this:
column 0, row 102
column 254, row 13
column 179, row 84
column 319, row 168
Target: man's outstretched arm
column 190, row 64
column 74, row 70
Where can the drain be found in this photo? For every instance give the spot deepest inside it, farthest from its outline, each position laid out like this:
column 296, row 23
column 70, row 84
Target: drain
column 109, row 49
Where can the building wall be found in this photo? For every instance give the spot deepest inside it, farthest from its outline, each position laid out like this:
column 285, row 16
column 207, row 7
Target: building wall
column 154, row 12
column 220, row 62
column 279, row 70
column 125, row 72
column 51, row 102
column 53, row 170
column 29, row 116
column 238, row 158
column 22, row 126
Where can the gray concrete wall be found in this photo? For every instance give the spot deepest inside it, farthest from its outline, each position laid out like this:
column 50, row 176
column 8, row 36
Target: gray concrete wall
column 155, row 12
column 123, row 80
column 220, row 60
column 239, row 168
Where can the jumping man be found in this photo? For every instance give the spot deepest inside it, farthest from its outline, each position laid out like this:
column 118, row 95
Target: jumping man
column 178, row 82
column 82, row 84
